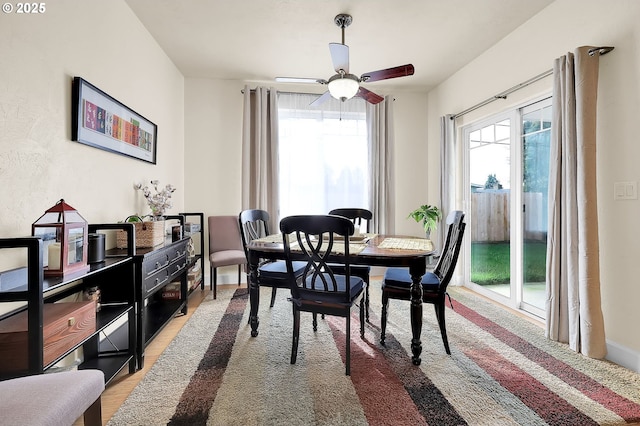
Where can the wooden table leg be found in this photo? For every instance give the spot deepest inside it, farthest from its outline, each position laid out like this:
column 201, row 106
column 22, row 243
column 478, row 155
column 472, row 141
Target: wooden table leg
column 254, row 294
column 416, row 270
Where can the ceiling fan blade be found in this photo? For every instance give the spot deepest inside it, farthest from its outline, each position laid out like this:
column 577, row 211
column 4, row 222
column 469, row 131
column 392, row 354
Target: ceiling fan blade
column 321, row 99
column 369, row 96
column 300, row 80
column 401, row 71
column 340, row 56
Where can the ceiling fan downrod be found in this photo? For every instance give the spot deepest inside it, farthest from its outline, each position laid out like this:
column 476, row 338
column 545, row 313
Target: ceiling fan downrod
column 343, row 21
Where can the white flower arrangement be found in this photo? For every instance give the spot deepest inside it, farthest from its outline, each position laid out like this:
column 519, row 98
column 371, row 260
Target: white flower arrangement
column 159, row 202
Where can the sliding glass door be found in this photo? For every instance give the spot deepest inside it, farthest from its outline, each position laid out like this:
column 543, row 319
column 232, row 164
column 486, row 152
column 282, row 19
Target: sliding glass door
column 506, row 176
column 489, row 201
column 535, row 140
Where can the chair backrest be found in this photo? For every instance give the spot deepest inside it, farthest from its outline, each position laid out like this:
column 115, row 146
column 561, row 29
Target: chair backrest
column 356, row 215
column 314, row 239
column 253, row 224
column 224, row 233
column 449, row 256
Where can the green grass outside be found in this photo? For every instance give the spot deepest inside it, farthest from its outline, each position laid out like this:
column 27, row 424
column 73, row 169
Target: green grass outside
column 490, row 262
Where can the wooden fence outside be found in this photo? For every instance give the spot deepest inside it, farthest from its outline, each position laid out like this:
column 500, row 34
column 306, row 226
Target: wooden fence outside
column 491, row 211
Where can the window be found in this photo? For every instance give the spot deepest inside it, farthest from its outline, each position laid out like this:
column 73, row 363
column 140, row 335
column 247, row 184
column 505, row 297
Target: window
column 323, row 155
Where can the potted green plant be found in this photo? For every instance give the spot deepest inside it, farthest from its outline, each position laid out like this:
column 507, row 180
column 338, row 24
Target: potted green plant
column 429, row 216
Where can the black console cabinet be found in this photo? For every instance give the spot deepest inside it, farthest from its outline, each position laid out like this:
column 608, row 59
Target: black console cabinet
column 27, row 290
column 156, row 270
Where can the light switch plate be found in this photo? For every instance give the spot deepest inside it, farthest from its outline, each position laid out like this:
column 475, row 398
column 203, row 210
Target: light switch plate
column 625, row 191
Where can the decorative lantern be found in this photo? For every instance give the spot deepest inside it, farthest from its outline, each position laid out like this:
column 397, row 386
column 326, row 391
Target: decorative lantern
column 64, row 240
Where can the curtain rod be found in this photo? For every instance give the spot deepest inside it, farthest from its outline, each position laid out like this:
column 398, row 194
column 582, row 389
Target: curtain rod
column 286, row 93
column 503, row 95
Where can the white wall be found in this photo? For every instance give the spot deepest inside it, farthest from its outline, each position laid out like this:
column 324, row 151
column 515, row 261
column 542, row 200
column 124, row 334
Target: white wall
column 529, row 51
column 39, row 164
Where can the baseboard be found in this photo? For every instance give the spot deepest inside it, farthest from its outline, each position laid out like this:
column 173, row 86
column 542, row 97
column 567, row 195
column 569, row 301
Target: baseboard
column 623, row 356
column 229, row 277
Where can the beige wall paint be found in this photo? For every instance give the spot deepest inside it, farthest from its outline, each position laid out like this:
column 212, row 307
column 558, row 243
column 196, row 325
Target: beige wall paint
column 530, row 50
column 213, row 134
column 39, row 164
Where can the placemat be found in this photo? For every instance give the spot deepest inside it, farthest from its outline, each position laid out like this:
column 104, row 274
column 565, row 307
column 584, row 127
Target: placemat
column 407, row 244
column 273, row 238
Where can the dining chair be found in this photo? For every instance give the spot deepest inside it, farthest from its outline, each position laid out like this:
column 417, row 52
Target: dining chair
column 358, row 216
column 319, row 290
column 397, row 281
column 225, row 247
column 254, row 224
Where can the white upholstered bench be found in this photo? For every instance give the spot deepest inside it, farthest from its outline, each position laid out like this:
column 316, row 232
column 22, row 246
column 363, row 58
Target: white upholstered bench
column 52, row 399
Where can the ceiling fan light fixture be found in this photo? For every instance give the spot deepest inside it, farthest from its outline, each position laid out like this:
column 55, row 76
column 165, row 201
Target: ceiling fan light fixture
column 343, row 86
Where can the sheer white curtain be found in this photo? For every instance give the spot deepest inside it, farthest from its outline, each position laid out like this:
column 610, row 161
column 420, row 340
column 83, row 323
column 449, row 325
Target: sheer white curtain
column 323, row 155
column 260, row 151
column 573, row 308
column 381, row 157
column 448, row 149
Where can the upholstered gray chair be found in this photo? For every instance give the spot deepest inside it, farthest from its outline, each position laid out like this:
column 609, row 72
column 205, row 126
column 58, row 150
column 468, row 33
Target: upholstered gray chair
column 225, row 247
column 52, row 398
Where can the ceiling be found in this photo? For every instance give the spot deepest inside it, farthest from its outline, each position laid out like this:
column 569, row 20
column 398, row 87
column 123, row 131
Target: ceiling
column 257, row 40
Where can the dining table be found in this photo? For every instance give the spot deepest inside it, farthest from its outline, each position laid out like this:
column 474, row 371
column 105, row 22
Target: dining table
column 364, row 249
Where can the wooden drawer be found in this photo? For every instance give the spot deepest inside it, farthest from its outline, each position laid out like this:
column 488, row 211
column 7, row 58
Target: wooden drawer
column 65, row 326
column 163, row 266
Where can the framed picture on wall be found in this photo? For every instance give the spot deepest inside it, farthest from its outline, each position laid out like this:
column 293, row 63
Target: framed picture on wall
column 103, row 122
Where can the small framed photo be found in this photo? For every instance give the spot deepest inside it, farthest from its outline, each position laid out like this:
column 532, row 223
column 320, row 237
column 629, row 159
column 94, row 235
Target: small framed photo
column 103, row 122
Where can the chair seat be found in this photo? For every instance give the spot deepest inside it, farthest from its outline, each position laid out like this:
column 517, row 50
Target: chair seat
column 52, row 399
column 357, row 287
column 400, row 278
column 227, row 258
column 278, row 270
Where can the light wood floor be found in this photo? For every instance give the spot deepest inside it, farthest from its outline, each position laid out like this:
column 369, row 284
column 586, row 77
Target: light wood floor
column 120, row 388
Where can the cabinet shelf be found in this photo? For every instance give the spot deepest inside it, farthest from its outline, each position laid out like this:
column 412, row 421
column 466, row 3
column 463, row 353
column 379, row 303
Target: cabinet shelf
column 109, row 315
column 198, row 239
column 158, row 314
column 109, row 364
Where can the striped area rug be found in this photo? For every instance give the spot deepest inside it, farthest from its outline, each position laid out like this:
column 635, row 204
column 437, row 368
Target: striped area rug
column 502, row 371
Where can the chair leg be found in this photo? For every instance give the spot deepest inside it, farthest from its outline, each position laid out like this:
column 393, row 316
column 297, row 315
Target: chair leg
column 296, row 333
column 366, row 295
column 362, row 315
column 93, row 415
column 348, row 349
column 214, row 282
column 315, row 321
column 383, row 319
column 440, row 308
column 239, row 274
column 273, row 296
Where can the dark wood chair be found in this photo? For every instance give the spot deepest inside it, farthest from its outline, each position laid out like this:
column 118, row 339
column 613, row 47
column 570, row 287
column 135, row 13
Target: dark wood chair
column 319, row 290
column 254, row 224
column 225, row 247
column 397, row 282
column 358, row 217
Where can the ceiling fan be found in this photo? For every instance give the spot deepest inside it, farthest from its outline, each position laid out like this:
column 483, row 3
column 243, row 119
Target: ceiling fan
column 344, row 85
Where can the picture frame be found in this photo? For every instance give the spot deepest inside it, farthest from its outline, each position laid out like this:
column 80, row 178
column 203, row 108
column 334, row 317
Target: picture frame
column 103, row 122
